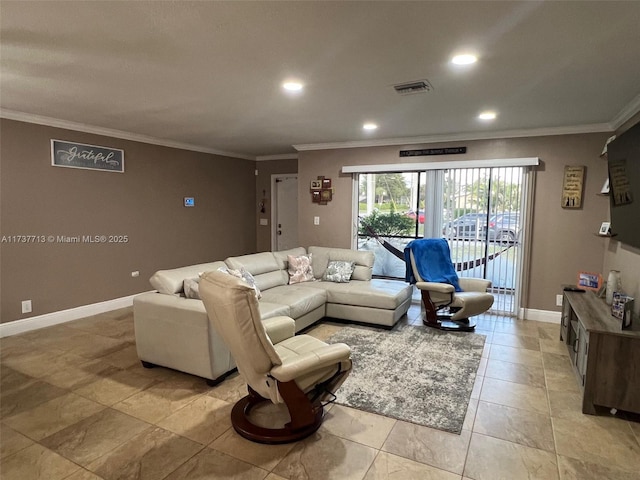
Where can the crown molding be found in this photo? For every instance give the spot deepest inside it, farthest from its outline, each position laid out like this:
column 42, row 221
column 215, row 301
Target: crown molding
column 535, row 132
column 108, row 132
column 282, row 156
column 626, row 113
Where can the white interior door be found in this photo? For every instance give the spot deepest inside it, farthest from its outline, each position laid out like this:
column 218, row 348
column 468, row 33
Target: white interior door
column 285, row 212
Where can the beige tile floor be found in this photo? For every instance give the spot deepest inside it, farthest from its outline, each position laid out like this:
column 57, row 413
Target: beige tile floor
column 76, row 404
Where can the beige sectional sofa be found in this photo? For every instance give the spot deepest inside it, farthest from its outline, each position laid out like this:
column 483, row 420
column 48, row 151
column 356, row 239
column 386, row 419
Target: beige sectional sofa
column 175, row 332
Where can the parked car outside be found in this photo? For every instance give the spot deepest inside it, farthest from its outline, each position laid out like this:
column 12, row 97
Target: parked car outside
column 412, row 215
column 469, row 225
column 504, row 227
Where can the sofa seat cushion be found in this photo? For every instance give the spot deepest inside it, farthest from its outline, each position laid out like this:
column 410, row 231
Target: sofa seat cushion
column 376, row 293
column 301, row 300
column 268, row 309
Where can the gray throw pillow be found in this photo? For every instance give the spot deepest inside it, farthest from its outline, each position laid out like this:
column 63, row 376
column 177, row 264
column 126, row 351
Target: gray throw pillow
column 244, row 275
column 191, row 288
column 339, row 271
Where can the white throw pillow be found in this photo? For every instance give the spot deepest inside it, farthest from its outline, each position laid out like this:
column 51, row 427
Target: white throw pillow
column 300, row 269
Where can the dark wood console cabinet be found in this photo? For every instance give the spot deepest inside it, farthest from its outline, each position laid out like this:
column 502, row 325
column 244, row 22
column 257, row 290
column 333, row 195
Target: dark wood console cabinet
column 606, row 358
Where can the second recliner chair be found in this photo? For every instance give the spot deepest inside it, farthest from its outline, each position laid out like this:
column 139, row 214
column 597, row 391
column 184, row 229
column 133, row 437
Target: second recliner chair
column 429, row 266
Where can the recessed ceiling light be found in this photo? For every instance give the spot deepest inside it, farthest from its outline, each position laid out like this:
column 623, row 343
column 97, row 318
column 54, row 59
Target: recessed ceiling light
column 369, row 126
column 292, row 86
column 487, row 116
column 464, row 59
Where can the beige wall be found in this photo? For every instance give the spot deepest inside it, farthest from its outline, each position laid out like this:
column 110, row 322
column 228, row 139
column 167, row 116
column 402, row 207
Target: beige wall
column 563, row 241
column 144, row 203
column 263, row 191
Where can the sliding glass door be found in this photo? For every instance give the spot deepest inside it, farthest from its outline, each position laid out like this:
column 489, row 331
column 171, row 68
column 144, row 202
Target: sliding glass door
column 480, row 211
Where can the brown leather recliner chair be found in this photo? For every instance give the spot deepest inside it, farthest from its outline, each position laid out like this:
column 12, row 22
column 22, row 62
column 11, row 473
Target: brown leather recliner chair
column 299, row 371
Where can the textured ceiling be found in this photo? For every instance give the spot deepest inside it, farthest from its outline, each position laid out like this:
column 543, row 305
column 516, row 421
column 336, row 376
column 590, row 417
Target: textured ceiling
column 208, row 74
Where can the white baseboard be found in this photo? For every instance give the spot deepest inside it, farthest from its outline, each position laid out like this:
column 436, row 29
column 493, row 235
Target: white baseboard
column 62, row 316
column 540, row 315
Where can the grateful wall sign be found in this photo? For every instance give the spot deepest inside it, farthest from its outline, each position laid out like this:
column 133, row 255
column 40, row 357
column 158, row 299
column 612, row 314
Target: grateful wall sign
column 91, row 157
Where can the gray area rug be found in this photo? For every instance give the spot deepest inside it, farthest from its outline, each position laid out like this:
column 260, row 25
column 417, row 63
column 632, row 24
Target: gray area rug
column 416, row 374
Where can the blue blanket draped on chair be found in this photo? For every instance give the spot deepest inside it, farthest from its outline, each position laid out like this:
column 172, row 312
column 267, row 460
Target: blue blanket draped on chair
column 433, row 261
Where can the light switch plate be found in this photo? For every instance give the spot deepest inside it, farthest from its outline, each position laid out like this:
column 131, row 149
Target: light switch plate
column 264, row 221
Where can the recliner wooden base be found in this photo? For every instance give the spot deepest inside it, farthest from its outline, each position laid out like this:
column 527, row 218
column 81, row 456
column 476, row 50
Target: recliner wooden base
column 463, row 325
column 306, row 416
column 443, row 321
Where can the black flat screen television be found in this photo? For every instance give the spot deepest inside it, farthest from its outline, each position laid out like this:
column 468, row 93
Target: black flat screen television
column 623, row 156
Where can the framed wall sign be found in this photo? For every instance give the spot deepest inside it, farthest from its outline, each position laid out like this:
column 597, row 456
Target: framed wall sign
column 88, row 157
column 572, row 186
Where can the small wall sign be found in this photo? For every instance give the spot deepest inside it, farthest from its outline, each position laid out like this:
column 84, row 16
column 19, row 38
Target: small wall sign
column 572, row 186
column 433, row 151
column 88, row 157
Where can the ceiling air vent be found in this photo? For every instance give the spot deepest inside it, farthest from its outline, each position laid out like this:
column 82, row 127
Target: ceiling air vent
column 419, row 86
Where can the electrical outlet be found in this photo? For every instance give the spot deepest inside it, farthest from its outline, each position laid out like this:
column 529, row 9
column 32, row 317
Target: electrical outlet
column 316, row 220
column 558, row 300
column 135, row 274
column 26, row 306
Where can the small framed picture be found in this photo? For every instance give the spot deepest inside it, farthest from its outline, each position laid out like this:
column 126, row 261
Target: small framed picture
column 622, row 308
column 326, row 195
column 315, row 196
column 605, row 228
column 316, row 184
column 326, row 183
column 589, row 280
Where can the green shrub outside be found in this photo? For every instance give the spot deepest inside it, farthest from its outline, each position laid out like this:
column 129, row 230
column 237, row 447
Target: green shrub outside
column 386, row 224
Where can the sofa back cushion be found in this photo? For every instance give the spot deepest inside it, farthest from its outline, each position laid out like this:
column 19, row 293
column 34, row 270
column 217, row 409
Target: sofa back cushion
column 171, row 282
column 282, row 255
column 264, row 267
column 323, row 255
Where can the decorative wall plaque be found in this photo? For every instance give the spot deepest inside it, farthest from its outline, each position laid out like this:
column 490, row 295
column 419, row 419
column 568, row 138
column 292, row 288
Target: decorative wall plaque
column 572, row 186
column 321, row 191
column 89, row 157
column 433, row 151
